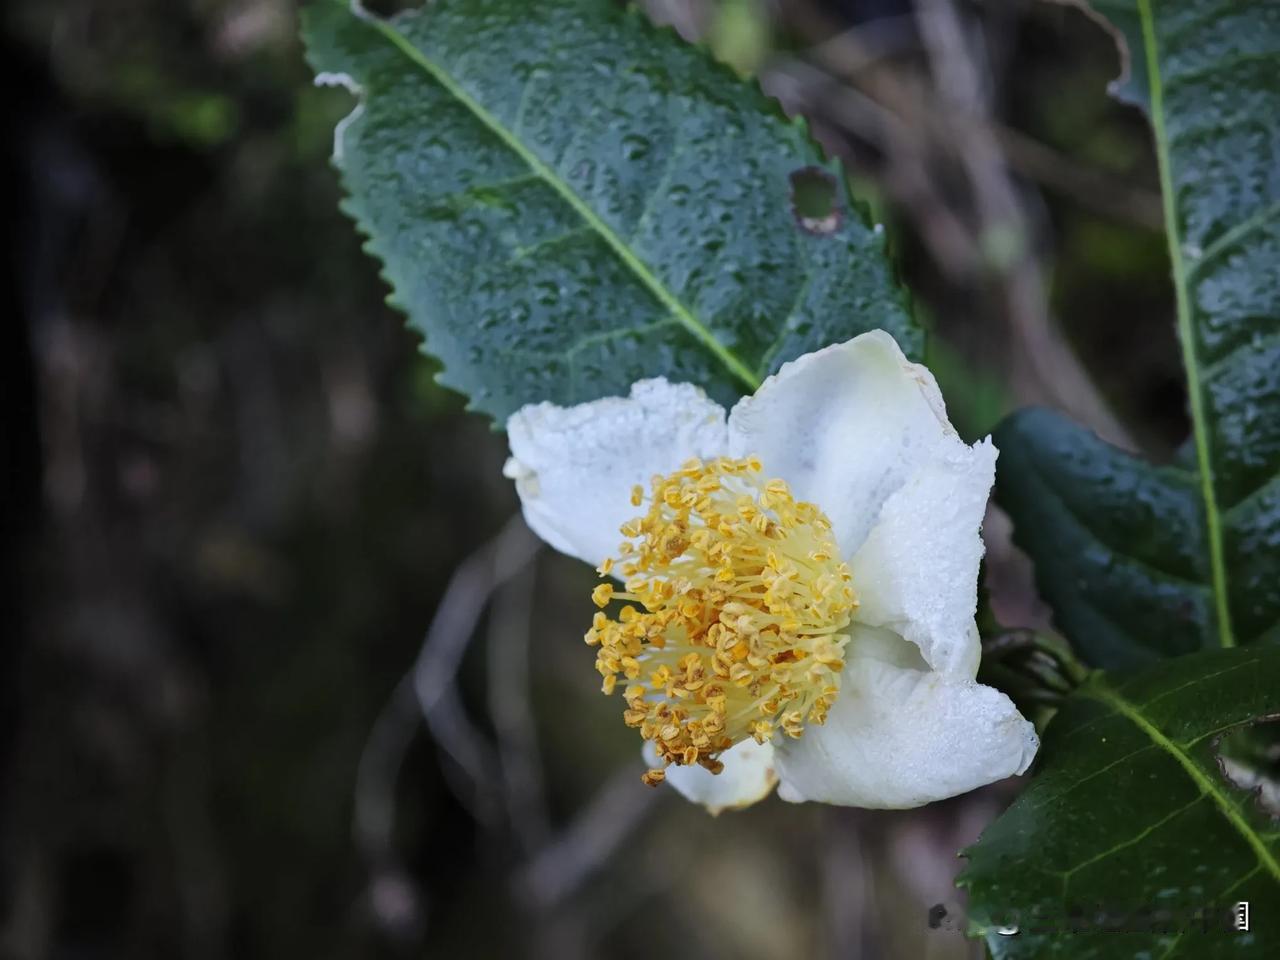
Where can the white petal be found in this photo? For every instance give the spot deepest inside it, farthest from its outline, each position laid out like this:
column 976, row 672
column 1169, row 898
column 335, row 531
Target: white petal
column 844, row 426
column 917, row 571
column 747, row 777
column 574, row 467
column 898, row 738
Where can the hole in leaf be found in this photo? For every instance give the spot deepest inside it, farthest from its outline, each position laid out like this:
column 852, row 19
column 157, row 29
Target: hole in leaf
column 1250, row 759
column 945, row 916
column 814, row 202
column 388, row 8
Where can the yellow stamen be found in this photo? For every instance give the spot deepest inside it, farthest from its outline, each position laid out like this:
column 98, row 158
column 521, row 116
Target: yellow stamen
column 739, row 608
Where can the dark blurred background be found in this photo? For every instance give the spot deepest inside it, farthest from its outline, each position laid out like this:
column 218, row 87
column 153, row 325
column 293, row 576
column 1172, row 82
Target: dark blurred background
column 280, row 675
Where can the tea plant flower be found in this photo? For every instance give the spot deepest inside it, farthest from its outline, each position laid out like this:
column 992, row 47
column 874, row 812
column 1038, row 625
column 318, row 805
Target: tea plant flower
column 793, row 603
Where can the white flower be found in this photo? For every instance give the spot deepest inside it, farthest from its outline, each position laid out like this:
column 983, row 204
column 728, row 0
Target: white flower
column 816, row 633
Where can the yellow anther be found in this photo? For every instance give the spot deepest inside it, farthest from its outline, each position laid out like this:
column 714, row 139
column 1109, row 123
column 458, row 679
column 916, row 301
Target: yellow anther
column 602, row 594
column 738, row 604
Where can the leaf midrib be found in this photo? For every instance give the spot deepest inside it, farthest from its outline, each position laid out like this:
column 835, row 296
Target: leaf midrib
column 1207, row 784
column 1186, row 333
column 687, row 318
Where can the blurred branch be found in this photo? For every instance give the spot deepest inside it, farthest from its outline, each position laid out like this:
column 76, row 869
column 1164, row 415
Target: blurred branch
column 848, row 61
column 1090, row 187
column 512, row 713
column 918, row 127
column 435, row 672
column 429, row 692
column 1045, row 356
column 566, row 863
column 807, row 89
column 379, row 769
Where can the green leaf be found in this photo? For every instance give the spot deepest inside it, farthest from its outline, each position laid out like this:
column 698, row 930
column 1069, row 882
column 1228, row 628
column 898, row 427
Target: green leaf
column 1129, row 812
column 1122, row 19
column 1140, row 562
column 566, row 199
column 1118, row 544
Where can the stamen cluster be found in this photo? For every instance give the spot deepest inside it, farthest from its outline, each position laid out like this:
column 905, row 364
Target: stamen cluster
column 737, row 603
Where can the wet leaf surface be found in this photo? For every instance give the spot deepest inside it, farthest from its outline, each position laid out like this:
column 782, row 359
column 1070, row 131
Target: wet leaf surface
column 1130, row 841
column 584, row 200
column 1140, row 562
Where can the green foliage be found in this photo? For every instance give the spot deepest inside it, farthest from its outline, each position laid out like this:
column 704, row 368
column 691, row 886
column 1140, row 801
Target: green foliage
column 1129, row 813
column 1130, row 826
column 579, row 200
column 1140, row 562
column 1119, row 544
column 582, row 200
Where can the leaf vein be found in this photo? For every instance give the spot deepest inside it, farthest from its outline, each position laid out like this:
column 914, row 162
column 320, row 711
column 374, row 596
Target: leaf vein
column 1195, row 681
column 521, row 253
column 1215, row 368
column 1056, row 798
column 1245, row 228
column 1137, row 838
column 1186, row 334
column 1228, row 809
column 1249, row 495
column 1246, row 56
column 604, row 336
column 679, row 148
column 470, row 191
column 783, row 328
column 656, row 287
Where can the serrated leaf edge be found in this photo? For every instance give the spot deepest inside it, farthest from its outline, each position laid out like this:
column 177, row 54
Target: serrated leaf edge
column 751, row 379
column 687, row 318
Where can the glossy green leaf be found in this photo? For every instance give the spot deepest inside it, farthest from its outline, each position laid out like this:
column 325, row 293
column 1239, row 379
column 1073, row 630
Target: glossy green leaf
column 566, row 199
column 1130, row 842
column 1136, row 561
column 1118, row 543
